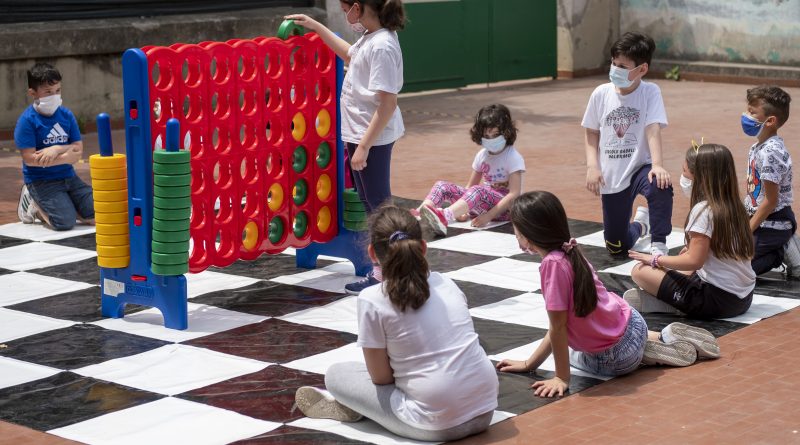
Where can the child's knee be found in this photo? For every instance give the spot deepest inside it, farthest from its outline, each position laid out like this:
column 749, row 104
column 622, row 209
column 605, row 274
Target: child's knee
column 62, row 225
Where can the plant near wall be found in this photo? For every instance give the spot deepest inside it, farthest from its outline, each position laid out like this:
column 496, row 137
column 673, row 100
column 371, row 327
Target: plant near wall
column 674, row 73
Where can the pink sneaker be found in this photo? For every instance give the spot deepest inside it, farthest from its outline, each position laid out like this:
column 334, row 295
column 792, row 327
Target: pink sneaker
column 435, row 217
column 415, row 213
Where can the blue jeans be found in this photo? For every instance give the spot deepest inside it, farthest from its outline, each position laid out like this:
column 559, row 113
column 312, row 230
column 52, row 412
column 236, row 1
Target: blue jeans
column 63, row 200
column 622, row 358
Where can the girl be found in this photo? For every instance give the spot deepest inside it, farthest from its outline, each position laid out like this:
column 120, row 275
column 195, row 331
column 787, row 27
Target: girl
column 607, row 336
column 370, row 118
column 426, row 376
column 499, row 165
column 719, row 245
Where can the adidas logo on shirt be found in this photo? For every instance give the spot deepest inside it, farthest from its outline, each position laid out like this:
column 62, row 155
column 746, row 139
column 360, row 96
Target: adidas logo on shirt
column 57, row 135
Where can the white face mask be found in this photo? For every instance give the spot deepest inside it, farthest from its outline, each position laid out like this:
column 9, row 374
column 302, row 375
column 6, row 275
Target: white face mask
column 356, row 26
column 48, row 105
column 494, row 145
column 686, row 186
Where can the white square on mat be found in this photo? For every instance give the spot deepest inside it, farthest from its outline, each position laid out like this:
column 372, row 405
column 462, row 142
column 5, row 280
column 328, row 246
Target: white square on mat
column 526, row 309
column 481, row 243
column 502, row 272
column 15, row 324
column 467, row 225
column 364, row 431
column 37, row 255
column 674, row 239
column 166, row 421
column 23, row 286
column 622, row 269
column 172, row 369
column 330, row 278
column 321, row 362
column 203, row 320
column 38, row 232
column 293, row 251
column 339, row 316
column 210, row 281
column 764, row 307
column 16, row 372
column 524, row 352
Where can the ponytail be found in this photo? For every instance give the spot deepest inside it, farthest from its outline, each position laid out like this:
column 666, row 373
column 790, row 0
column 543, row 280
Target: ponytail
column 584, row 292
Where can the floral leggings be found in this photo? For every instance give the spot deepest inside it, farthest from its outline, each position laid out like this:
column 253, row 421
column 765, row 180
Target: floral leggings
column 479, row 198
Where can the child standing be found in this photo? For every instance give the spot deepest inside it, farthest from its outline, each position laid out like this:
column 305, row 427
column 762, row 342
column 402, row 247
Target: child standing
column 370, row 118
column 49, row 142
column 623, row 122
column 426, row 376
column 607, row 336
column 719, row 246
column 498, row 164
column 769, row 176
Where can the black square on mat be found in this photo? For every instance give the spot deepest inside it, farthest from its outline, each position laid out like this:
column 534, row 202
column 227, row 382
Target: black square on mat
column 66, row 398
column 290, row 435
column 7, row 241
column 85, row 271
column 778, row 285
column 267, row 267
column 481, row 294
column 267, row 394
column 77, row 346
column 6, row 271
column 496, row 336
column 268, row 299
column 657, row 322
column 442, row 260
column 275, row 341
column 516, row 395
column 81, row 242
column 81, row 306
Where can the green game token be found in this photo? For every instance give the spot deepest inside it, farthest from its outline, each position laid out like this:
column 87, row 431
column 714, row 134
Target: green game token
column 172, row 169
column 170, row 259
column 354, row 216
column 171, row 237
column 178, row 269
column 172, row 203
column 300, row 191
column 172, row 157
column 299, row 159
column 172, row 180
column 289, row 28
column 181, row 191
column 356, row 226
column 275, row 230
column 172, row 214
column 179, row 247
column 170, row 225
column 350, row 195
column 300, row 224
column 323, row 155
column 354, row 206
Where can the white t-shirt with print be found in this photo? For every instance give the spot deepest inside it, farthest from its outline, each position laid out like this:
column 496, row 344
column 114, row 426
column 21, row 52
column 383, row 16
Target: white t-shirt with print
column 376, row 64
column 443, row 377
column 769, row 161
column 621, row 121
column 495, row 169
column 734, row 276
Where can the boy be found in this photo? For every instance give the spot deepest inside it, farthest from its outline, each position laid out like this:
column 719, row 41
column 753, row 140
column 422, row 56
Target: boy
column 623, row 122
column 769, row 177
column 48, row 139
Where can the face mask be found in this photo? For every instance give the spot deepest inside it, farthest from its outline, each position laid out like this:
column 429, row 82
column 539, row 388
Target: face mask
column 686, row 186
column 46, row 106
column 357, row 27
column 494, row 145
column 751, row 126
column 619, row 77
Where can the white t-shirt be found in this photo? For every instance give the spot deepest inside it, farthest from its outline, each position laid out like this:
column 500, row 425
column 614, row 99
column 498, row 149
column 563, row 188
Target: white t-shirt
column 376, row 64
column 622, row 120
column 734, row 276
column 769, row 161
column 442, row 375
column 495, row 169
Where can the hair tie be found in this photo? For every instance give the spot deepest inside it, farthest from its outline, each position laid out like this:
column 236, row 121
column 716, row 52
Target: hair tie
column 397, row 236
column 569, row 245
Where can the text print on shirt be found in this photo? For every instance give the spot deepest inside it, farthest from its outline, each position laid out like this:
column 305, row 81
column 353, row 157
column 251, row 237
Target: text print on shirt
column 621, row 144
column 57, row 135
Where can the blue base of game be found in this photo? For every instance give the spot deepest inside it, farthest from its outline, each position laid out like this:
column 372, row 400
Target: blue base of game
column 166, row 293
column 347, row 244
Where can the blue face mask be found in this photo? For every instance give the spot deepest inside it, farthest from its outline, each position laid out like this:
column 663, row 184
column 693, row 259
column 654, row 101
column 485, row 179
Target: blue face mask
column 751, row 126
column 494, row 145
column 619, row 77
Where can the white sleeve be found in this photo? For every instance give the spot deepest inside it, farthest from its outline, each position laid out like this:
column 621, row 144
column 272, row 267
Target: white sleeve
column 775, row 162
column 478, row 160
column 370, row 326
column 384, row 71
column 591, row 118
column 700, row 220
column 656, row 113
column 516, row 163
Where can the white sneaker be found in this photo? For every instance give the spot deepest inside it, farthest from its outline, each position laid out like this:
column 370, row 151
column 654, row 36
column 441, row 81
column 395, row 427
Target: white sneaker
column 678, row 353
column 642, row 216
column 791, row 256
column 704, row 341
column 659, row 248
column 24, row 207
column 645, row 303
column 318, row 404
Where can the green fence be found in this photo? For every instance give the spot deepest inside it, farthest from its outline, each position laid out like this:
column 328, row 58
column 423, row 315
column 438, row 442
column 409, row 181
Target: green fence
column 453, row 43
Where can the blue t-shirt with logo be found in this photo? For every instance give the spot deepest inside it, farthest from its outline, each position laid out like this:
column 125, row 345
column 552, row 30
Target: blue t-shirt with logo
column 36, row 131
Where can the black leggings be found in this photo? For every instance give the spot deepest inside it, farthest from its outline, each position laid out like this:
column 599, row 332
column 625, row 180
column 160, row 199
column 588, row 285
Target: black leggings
column 372, row 183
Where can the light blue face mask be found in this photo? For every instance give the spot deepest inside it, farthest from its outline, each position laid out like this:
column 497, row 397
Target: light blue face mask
column 494, row 145
column 619, row 76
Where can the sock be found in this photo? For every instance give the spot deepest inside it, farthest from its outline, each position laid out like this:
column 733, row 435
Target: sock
column 376, row 272
column 448, row 215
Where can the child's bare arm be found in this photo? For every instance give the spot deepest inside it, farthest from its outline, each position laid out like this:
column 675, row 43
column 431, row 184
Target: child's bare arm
column 334, row 42
column 693, row 258
column 657, row 172
column 594, row 177
column 380, row 371
column 767, row 206
column 559, row 384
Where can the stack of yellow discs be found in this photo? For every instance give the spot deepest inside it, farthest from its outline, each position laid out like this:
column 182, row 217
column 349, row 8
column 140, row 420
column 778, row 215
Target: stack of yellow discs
column 110, row 184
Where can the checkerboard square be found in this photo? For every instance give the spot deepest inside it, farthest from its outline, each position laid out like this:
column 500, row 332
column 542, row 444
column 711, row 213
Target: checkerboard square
column 37, row 232
column 269, row 299
column 320, row 363
column 39, row 255
column 674, row 239
column 502, row 272
column 15, row 324
column 526, row 309
column 84, row 271
column 481, row 295
column 340, row 316
column 15, row 372
column 23, row 286
column 267, row 267
column 209, row 281
column 331, row 278
column 86, row 242
column 480, row 243
column 81, row 306
column 496, row 336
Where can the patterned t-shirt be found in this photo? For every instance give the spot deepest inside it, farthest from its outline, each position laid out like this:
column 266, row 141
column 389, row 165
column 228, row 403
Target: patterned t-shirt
column 495, row 169
column 769, row 161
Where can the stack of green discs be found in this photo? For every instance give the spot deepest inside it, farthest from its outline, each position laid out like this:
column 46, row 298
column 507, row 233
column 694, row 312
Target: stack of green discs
column 172, row 207
column 355, row 214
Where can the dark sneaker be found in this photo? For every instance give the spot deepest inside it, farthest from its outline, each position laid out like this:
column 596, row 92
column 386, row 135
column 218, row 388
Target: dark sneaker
column 316, row 404
column 355, row 288
column 24, row 207
column 678, row 353
column 435, row 218
column 702, row 340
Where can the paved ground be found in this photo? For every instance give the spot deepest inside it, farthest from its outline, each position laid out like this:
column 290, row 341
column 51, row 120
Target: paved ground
column 748, row 396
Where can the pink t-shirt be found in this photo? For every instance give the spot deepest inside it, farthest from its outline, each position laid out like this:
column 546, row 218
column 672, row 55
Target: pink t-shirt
column 597, row 331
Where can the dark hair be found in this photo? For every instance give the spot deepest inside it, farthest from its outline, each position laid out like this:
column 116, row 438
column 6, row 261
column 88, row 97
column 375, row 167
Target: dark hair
column 391, row 13
column 635, row 46
column 715, row 182
column 691, row 158
column 772, row 99
column 396, row 237
column 494, row 116
column 541, row 219
column 42, row 74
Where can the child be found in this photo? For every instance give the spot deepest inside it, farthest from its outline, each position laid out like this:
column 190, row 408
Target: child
column 769, row 176
column 49, row 141
column 607, row 336
column 499, row 165
column 426, row 376
column 719, row 246
column 370, row 119
column 623, row 124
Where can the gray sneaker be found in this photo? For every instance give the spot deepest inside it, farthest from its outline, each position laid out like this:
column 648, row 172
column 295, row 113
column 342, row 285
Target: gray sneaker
column 24, row 207
column 679, row 353
column 645, row 303
column 703, row 341
column 791, row 256
column 316, row 404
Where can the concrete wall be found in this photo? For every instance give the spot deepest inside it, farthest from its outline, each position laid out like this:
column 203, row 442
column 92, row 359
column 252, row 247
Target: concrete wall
column 586, row 30
column 89, row 53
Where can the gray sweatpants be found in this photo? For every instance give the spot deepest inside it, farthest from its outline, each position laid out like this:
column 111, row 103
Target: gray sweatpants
column 352, row 386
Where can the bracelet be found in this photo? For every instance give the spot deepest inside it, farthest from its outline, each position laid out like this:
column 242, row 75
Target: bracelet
column 654, row 261
column 526, row 365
